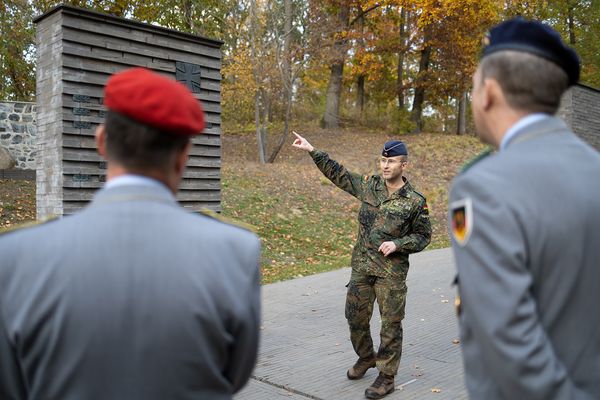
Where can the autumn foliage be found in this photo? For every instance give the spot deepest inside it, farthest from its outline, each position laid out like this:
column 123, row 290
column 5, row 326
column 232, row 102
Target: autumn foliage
column 400, row 65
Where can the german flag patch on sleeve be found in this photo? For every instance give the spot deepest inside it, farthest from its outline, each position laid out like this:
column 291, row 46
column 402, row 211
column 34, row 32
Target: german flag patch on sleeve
column 461, row 213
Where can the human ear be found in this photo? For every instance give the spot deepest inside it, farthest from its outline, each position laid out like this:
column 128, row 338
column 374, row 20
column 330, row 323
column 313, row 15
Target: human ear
column 492, row 94
column 100, row 137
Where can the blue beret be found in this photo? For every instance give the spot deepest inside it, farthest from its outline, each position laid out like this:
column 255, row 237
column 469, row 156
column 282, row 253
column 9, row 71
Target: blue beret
column 535, row 38
column 394, row 148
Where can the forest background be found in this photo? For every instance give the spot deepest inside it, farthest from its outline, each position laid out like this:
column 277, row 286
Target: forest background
column 349, row 73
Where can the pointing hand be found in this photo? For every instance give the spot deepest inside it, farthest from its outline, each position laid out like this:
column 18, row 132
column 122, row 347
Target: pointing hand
column 302, row 143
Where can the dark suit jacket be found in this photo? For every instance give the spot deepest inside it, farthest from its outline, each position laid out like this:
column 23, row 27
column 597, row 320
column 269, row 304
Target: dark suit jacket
column 133, row 298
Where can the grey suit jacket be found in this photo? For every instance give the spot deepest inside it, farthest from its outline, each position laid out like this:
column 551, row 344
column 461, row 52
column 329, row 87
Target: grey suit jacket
column 133, row 298
column 529, row 271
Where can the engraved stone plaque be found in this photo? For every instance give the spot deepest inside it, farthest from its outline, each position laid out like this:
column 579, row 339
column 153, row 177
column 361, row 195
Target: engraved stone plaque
column 81, row 178
column 81, row 111
column 82, row 124
column 189, row 75
column 81, row 98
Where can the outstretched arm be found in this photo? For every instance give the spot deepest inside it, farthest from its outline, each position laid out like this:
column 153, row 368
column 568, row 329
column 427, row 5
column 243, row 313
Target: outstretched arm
column 347, row 181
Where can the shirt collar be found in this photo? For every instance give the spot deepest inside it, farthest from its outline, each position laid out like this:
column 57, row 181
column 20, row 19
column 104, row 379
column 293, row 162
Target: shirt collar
column 402, row 192
column 517, row 128
column 126, row 180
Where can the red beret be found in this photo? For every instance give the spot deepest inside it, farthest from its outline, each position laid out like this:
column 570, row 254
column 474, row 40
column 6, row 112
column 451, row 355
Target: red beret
column 152, row 99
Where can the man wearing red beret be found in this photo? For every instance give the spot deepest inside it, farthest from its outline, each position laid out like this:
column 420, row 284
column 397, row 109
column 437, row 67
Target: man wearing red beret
column 133, row 298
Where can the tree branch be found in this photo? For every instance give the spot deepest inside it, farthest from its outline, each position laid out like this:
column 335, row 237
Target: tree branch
column 363, row 13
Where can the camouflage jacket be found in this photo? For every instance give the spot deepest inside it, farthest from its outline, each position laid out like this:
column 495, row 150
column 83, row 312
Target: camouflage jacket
column 402, row 217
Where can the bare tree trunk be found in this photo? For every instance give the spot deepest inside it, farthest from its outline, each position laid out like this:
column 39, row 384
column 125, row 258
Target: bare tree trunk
column 360, row 80
column 287, row 79
column 360, row 95
column 187, row 14
column 283, row 138
column 400, row 82
column 331, row 119
column 571, row 23
column 269, row 107
column 419, row 99
column 461, row 118
column 264, row 129
column 260, row 134
column 287, row 53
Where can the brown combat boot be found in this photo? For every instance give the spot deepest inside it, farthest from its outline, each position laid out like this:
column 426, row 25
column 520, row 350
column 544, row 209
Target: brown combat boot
column 383, row 385
column 361, row 366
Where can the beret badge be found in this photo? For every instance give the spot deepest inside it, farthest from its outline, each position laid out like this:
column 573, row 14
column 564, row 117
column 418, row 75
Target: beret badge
column 485, row 40
column 394, row 148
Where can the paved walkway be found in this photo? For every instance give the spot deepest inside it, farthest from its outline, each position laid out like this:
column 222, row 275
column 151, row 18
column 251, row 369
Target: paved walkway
column 305, row 347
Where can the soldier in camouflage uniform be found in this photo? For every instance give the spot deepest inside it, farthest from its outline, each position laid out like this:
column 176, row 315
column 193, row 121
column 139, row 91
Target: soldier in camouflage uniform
column 393, row 222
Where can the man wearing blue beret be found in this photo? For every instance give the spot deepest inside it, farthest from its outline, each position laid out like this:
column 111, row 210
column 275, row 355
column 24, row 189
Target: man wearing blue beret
column 525, row 227
column 133, row 298
column 393, row 222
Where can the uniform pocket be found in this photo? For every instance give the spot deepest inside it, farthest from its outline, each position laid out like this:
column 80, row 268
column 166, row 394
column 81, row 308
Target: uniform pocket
column 392, row 223
column 393, row 302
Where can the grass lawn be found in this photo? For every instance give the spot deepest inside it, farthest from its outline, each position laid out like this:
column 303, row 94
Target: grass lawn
column 306, row 224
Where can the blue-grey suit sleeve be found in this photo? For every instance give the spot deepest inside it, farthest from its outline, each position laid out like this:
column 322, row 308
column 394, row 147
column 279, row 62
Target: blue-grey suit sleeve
column 246, row 332
column 11, row 381
column 498, row 307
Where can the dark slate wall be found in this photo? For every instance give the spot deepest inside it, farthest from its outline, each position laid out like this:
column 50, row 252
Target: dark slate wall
column 586, row 116
column 580, row 108
column 78, row 51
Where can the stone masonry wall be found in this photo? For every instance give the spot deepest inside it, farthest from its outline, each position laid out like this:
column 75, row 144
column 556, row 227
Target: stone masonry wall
column 18, row 132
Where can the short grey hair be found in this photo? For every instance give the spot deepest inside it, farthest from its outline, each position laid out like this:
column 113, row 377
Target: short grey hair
column 530, row 83
column 140, row 147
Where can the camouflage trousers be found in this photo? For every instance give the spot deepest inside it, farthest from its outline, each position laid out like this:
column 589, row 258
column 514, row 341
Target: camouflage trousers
column 391, row 299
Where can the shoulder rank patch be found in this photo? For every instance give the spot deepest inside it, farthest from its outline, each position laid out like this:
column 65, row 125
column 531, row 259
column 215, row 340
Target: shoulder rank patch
column 461, row 212
column 215, row 215
column 421, row 196
column 476, row 159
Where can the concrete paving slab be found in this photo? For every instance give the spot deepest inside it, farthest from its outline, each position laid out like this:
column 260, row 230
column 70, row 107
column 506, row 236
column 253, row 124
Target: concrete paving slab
column 305, row 347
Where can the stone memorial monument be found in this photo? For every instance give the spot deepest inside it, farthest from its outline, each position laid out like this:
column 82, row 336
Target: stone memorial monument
column 77, row 52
